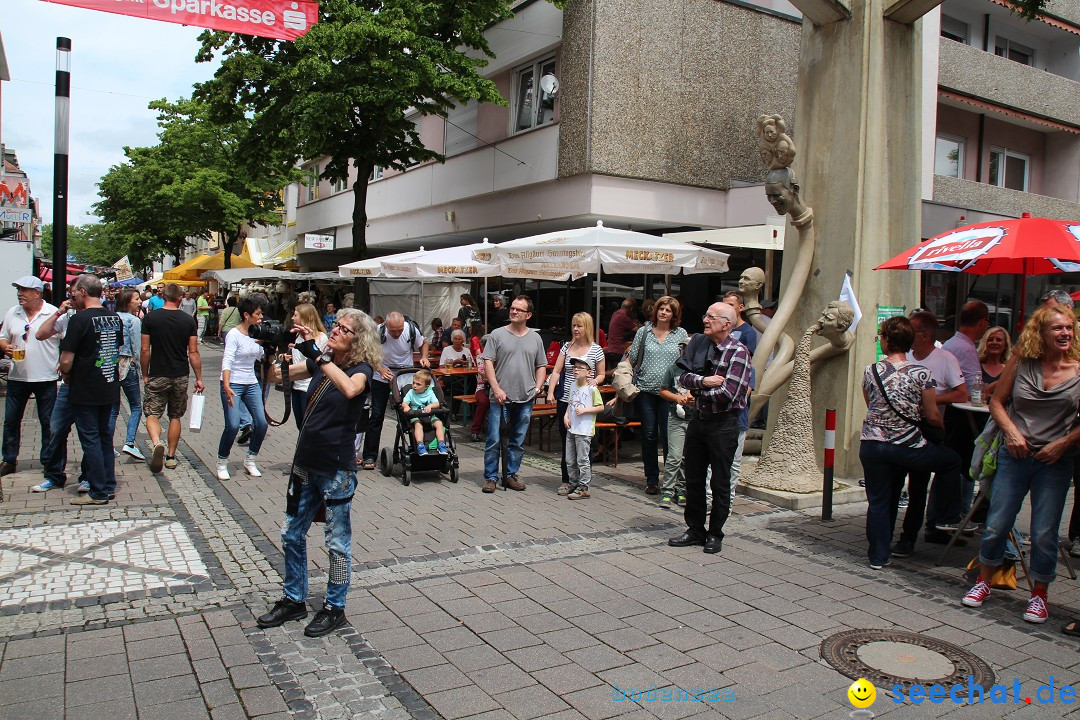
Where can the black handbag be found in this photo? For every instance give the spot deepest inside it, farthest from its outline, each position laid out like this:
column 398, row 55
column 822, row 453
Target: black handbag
column 932, row 433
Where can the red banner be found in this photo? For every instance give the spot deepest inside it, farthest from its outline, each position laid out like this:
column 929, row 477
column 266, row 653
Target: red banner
column 280, row 19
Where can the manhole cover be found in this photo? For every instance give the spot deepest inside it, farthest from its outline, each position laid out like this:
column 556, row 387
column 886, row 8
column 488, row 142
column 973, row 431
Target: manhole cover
column 896, row 657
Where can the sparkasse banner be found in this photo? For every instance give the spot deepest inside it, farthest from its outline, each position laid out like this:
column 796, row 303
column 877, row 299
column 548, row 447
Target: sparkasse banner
column 280, row 19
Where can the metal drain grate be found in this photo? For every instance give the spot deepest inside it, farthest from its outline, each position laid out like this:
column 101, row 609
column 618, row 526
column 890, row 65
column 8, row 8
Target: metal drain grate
column 898, row 657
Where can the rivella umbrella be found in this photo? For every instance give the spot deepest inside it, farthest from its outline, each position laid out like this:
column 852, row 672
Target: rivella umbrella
column 1024, row 246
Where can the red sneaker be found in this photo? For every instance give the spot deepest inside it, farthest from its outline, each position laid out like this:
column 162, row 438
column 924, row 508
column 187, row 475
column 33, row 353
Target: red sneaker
column 976, row 595
column 1036, row 609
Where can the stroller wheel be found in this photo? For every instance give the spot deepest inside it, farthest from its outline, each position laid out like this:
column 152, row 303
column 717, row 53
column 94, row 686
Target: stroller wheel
column 453, row 474
column 385, row 466
column 406, row 477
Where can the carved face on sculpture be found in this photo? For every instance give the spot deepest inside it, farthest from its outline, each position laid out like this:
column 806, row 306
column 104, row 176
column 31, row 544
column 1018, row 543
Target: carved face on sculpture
column 751, row 281
column 835, row 319
column 782, row 191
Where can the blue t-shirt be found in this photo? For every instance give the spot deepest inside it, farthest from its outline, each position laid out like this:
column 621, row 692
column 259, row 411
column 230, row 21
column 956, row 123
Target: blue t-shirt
column 422, row 400
column 156, row 302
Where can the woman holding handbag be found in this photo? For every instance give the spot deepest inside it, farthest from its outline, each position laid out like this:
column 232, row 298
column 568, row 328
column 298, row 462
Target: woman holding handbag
column 581, row 346
column 128, row 303
column 899, row 397
column 654, row 350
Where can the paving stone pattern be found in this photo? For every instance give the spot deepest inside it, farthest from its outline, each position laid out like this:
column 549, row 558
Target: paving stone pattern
column 463, row 605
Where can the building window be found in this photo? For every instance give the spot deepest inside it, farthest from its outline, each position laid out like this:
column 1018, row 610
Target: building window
column 1003, row 47
column 1009, row 169
column 339, row 186
column 460, row 134
column 376, row 173
column 954, row 29
column 311, row 184
column 949, row 156
column 532, row 106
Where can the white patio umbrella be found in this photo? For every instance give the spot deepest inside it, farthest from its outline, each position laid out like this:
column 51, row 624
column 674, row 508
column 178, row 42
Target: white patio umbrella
column 600, row 249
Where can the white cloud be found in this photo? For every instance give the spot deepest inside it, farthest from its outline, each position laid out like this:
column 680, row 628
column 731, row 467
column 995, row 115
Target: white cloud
column 118, row 65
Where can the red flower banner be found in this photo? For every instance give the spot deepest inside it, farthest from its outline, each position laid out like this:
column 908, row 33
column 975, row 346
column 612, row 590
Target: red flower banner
column 280, row 19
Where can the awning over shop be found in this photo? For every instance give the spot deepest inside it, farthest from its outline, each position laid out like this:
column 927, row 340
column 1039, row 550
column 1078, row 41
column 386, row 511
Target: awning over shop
column 754, row 237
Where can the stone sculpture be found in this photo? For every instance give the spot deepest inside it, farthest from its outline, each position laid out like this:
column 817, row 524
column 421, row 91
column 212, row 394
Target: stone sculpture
column 776, row 148
column 788, row 462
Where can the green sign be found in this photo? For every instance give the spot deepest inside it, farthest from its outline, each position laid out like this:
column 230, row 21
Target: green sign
column 884, row 312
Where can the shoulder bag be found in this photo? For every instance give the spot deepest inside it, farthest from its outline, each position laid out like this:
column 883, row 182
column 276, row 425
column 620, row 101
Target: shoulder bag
column 932, row 433
column 626, row 372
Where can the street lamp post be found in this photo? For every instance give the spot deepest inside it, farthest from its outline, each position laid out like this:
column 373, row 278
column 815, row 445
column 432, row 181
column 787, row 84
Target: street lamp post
column 60, row 167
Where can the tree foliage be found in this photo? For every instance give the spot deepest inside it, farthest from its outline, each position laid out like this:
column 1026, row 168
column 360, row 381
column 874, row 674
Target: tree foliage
column 343, row 89
column 90, row 244
column 197, row 180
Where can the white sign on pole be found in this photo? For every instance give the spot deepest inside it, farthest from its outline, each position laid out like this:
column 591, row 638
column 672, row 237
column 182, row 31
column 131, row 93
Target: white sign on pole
column 318, row 242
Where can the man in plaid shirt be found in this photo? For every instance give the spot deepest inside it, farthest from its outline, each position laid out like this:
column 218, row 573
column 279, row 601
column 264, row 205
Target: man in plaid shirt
column 716, row 369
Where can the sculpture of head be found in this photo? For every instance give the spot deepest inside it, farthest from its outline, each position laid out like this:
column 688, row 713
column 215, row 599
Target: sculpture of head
column 782, row 190
column 835, row 319
column 751, row 281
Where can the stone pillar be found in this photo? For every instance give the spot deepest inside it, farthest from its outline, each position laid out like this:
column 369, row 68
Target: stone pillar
column 859, row 132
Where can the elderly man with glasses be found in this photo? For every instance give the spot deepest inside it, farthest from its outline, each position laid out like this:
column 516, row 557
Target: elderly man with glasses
column 716, row 370
column 33, row 371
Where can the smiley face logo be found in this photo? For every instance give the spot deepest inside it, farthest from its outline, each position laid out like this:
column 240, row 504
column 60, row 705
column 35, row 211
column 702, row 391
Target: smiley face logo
column 862, row 693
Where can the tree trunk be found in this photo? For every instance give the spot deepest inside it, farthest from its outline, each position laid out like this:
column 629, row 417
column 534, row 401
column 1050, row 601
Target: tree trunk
column 230, row 241
column 361, row 291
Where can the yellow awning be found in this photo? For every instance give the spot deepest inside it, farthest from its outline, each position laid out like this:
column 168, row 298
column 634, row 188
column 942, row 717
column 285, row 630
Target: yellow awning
column 196, row 266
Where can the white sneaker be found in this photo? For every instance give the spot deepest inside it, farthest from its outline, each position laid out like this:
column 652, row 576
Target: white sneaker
column 133, row 452
column 251, row 468
column 223, row 471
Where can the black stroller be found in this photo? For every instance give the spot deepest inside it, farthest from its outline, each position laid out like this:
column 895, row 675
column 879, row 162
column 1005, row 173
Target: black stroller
column 404, row 452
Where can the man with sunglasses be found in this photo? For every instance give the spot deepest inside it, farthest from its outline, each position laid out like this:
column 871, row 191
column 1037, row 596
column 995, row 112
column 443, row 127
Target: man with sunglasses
column 33, row 371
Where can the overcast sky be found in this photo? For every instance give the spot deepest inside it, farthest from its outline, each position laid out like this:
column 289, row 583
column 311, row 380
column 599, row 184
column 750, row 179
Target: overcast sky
column 118, row 65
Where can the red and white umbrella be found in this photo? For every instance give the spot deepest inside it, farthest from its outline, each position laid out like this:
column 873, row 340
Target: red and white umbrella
column 1025, row 246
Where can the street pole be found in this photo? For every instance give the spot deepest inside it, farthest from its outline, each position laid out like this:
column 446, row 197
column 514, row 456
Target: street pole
column 60, row 167
column 830, row 450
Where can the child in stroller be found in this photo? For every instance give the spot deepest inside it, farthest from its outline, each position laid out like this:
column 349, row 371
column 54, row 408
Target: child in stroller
column 410, row 452
column 421, row 398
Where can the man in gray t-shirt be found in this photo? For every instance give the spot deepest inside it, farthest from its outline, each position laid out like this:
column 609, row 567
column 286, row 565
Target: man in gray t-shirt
column 515, row 370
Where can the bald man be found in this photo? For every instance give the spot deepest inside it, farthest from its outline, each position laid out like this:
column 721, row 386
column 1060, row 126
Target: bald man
column 716, row 370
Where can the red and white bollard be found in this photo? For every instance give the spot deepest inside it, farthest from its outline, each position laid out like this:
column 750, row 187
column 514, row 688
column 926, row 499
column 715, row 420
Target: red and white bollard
column 830, row 448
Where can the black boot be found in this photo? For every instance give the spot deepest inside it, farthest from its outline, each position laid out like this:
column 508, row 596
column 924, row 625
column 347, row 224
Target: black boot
column 326, row 621
column 283, row 611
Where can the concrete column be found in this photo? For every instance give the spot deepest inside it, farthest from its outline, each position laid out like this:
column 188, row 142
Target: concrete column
column 859, row 111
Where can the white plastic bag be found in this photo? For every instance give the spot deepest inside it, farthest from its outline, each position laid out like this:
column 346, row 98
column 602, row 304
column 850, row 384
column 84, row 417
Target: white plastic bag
column 198, row 401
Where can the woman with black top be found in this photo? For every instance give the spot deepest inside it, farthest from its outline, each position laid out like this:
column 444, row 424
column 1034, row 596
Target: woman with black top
column 469, row 314
column 324, row 465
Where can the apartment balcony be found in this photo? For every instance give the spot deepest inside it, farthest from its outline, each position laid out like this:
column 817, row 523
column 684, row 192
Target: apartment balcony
column 1003, row 201
column 972, row 72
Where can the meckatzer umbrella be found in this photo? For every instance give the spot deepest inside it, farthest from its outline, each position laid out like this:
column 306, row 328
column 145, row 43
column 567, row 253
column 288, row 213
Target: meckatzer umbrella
column 1024, row 246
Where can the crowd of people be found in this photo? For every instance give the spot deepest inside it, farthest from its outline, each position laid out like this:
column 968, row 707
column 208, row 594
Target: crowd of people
column 917, row 424
column 79, row 358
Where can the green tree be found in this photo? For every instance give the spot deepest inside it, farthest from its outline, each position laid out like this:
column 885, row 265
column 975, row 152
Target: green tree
column 342, row 90
column 197, row 180
column 90, row 244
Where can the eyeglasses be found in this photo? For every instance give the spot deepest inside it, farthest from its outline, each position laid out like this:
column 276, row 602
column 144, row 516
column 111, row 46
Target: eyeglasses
column 714, row 318
column 343, row 329
column 26, row 332
column 515, row 309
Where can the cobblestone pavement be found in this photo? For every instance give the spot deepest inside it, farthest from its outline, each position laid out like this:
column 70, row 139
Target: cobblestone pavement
column 463, row 605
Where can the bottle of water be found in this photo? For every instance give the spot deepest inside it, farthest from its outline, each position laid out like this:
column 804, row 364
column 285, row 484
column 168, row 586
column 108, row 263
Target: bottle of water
column 977, row 392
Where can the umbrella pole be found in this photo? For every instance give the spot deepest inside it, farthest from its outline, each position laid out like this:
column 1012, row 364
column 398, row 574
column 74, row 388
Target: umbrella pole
column 487, row 328
column 599, row 275
column 1023, row 298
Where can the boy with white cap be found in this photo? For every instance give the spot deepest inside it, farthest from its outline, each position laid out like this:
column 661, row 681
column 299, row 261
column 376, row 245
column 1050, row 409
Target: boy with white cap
column 582, row 406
